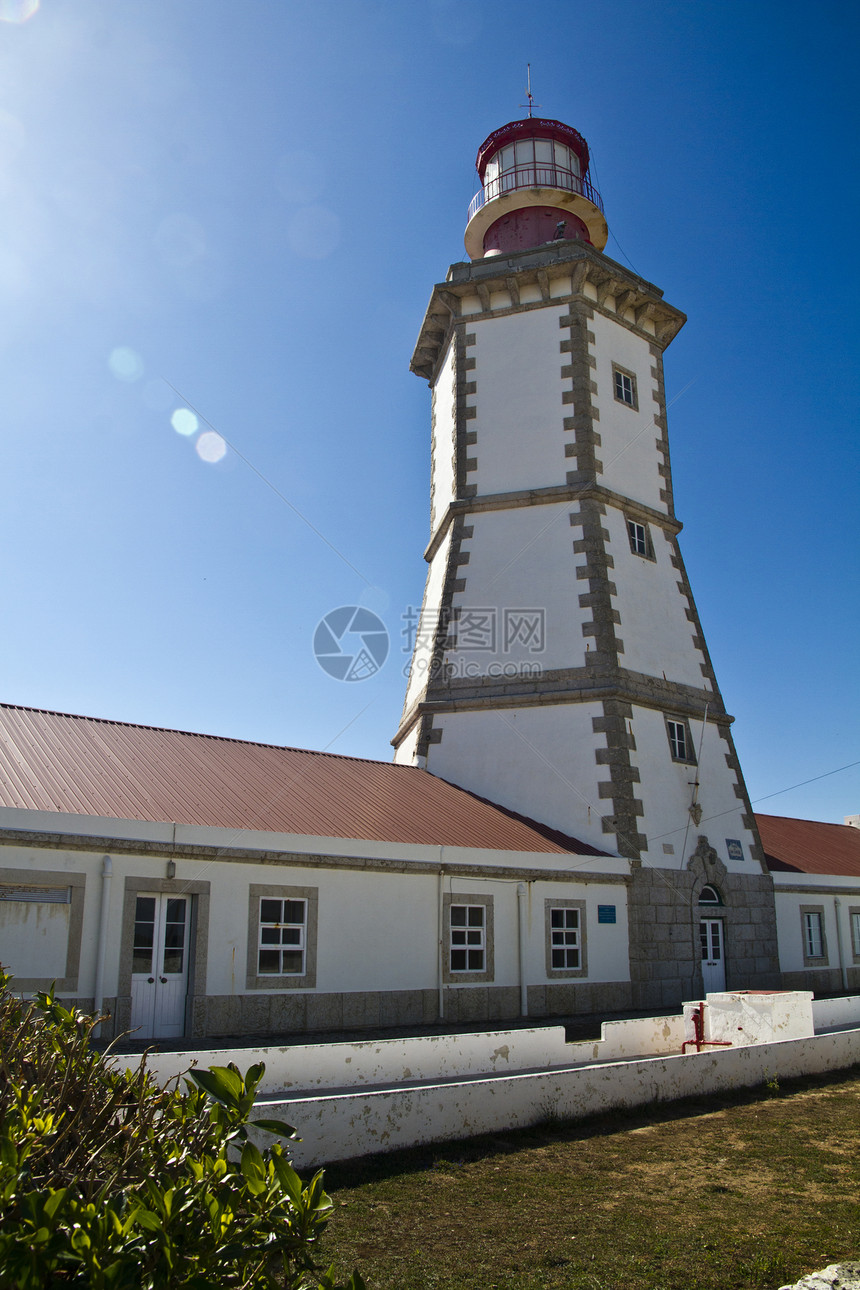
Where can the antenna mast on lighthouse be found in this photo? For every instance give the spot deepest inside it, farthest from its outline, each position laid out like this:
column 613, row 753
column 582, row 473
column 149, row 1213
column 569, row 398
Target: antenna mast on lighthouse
column 531, row 102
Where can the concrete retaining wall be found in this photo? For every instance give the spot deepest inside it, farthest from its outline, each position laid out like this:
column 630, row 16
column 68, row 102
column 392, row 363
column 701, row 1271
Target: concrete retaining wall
column 827, row 1014
column 306, row 1067
column 344, row 1126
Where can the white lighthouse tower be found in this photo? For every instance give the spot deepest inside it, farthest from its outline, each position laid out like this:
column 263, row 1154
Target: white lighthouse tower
column 559, row 666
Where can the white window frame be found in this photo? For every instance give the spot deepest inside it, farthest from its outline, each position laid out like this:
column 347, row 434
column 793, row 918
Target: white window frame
column 467, row 938
column 639, row 537
column 854, row 920
column 301, row 937
column 624, row 387
column 567, row 938
column 680, row 741
column 455, row 938
column 284, row 935
column 814, row 936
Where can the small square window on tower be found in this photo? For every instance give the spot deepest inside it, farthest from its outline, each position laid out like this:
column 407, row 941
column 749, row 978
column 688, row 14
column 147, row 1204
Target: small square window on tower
column 680, row 741
column 624, row 384
column 640, row 539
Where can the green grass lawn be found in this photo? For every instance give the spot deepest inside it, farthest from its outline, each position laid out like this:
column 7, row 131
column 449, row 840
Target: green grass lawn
column 739, row 1192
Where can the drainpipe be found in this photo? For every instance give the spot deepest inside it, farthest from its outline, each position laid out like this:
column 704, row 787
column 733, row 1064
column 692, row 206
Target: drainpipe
column 837, row 904
column 107, row 871
column 440, row 923
column 522, row 911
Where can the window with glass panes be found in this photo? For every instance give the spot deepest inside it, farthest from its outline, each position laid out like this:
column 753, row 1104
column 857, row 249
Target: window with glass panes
column 467, row 926
column 680, row 741
column 855, row 931
column 283, row 925
column 638, row 535
column 529, row 162
column 625, row 387
column 564, row 938
column 813, row 938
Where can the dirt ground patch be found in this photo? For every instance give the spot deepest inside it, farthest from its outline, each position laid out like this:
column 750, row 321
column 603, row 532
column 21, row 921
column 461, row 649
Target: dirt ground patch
column 746, row 1192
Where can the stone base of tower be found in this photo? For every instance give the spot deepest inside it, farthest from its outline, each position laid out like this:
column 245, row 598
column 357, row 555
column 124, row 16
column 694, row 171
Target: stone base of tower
column 664, row 916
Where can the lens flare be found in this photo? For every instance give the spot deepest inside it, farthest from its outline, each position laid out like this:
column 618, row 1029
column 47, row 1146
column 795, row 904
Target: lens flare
column 17, row 10
column 210, row 446
column 126, row 364
column 184, row 421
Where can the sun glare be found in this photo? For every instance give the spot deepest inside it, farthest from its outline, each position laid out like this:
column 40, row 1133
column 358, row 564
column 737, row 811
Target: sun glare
column 126, row 364
column 210, row 446
column 184, row 421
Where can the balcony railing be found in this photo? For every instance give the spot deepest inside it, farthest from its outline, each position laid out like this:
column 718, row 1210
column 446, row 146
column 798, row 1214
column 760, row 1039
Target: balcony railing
column 532, row 176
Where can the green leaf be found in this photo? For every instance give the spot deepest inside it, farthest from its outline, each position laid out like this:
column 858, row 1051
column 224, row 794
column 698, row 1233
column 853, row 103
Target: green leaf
column 287, row 1177
column 254, row 1169
column 254, row 1074
column 145, row 1218
column 55, row 1200
column 222, row 1084
column 280, row 1127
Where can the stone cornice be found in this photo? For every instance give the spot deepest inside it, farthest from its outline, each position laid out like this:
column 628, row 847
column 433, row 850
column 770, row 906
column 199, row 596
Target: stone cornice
column 810, row 888
column 541, row 266
column 532, row 872
column 548, row 497
column 566, row 685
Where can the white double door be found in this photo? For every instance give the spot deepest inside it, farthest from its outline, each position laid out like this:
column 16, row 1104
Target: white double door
column 713, row 955
column 159, row 973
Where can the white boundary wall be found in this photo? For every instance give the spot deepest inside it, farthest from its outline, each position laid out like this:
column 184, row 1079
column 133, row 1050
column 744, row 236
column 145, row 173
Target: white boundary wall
column 346, row 1125
column 827, row 1014
column 351, row 1099
column 311, row 1067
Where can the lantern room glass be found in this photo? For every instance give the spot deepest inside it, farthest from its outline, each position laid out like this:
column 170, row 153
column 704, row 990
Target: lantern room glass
column 532, row 163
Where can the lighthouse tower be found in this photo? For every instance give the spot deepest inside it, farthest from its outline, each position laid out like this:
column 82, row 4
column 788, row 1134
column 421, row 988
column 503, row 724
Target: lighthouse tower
column 559, row 665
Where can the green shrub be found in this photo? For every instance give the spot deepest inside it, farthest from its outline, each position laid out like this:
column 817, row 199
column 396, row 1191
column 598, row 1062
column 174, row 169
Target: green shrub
column 111, row 1182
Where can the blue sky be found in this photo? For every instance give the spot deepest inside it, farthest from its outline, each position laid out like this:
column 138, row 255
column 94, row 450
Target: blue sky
column 250, row 202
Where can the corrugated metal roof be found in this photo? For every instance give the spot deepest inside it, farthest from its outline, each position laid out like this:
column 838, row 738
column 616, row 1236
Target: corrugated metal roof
column 808, row 846
column 52, row 761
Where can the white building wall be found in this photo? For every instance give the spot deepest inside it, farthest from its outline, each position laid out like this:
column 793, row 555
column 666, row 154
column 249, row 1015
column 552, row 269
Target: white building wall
column 378, row 928
column 834, row 898
column 627, row 448
column 606, row 944
column 425, row 622
column 518, row 401
column 537, row 760
column 522, row 559
column 657, row 635
column 444, row 437
column 666, row 792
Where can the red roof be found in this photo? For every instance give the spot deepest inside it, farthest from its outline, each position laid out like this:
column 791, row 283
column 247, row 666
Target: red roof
column 808, row 846
column 51, row 761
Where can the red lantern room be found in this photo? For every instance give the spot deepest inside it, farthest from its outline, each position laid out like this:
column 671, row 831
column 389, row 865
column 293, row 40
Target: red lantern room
column 534, row 189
